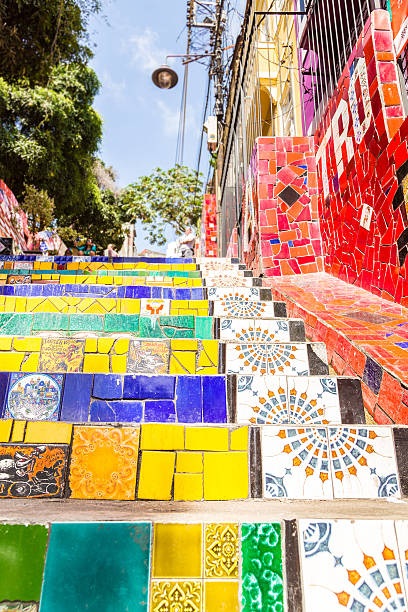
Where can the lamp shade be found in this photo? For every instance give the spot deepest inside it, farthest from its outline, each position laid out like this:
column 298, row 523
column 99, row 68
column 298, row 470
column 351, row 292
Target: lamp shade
column 165, row 77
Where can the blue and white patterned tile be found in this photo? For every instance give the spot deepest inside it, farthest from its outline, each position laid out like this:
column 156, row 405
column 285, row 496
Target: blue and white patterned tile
column 363, row 462
column 262, row 400
column 251, row 330
column 239, row 293
column 350, row 565
column 313, row 400
column 35, row 397
column 295, row 463
column 401, row 528
column 262, row 359
column 238, row 306
column 228, row 280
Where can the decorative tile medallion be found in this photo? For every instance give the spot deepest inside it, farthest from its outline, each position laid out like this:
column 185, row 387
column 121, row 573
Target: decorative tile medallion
column 221, row 550
column 148, row 357
column 104, row 462
column 241, row 294
column 32, row 471
column 313, row 401
column 61, row 355
column 262, row 400
column 35, row 397
column 171, row 596
column 267, row 359
column 263, row 331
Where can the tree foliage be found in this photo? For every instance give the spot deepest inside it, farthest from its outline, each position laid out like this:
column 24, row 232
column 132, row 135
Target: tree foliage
column 36, row 35
column 39, row 208
column 171, row 197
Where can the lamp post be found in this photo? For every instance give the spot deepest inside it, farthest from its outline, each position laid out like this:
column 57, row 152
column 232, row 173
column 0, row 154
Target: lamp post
column 165, row 77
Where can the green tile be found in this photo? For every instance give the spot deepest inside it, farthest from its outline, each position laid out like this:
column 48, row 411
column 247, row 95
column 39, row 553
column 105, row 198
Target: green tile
column 186, row 321
column 12, row 324
column 50, row 321
column 85, row 322
column 150, row 328
column 262, row 583
column 121, row 323
column 180, row 333
column 22, row 556
column 203, row 328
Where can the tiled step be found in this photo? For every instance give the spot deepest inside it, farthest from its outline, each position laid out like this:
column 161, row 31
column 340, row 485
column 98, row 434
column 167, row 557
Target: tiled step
column 171, row 280
column 182, row 356
column 260, row 330
column 213, row 462
column 118, row 398
column 13, row 275
column 107, row 291
column 15, row 267
column 310, row 565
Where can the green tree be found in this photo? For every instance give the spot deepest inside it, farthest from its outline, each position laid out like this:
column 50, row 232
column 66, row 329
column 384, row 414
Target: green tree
column 39, row 208
column 49, row 135
column 36, row 35
column 165, row 197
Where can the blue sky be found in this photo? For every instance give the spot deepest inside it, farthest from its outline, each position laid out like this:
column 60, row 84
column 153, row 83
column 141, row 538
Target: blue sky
column 140, row 121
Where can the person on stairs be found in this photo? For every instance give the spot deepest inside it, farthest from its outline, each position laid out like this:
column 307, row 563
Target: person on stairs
column 187, row 242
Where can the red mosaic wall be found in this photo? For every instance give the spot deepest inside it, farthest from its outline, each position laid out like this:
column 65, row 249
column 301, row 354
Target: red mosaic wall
column 362, row 160
column 286, row 195
column 13, row 222
column 208, row 239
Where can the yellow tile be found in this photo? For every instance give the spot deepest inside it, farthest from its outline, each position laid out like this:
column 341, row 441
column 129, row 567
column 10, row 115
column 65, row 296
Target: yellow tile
column 202, row 312
column 91, row 345
column 18, row 431
column 177, row 551
column 74, row 279
column 188, row 487
column 189, row 462
column 10, row 304
column 121, row 346
column 118, row 364
column 162, row 436
column 225, row 476
column 207, row 438
column 182, row 363
column 31, row 363
column 198, row 304
column 27, row 344
column 211, row 348
column 156, row 475
column 47, row 432
column 178, row 303
column 209, row 371
column 184, row 345
column 239, row 439
column 5, row 343
column 129, row 306
column 5, row 430
column 102, row 280
column 97, row 364
column 186, row 311
column 105, row 344
column 21, row 304
column 96, row 308
column 221, row 596
column 10, row 362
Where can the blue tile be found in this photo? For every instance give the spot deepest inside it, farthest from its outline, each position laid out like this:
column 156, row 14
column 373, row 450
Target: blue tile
column 372, row 375
column 77, row 395
column 4, row 378
column 97, row 566
column 197, row 293
column 107, row 386
column 138, row 292
column 189, row 399
column 156, row 293
column 160, row 411
column 168, row 293
column 184, row 294
column 214, row 399
column 116, row 411
column 148, row 387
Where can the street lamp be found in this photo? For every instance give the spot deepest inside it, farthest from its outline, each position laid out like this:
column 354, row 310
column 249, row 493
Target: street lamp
column 166, row 78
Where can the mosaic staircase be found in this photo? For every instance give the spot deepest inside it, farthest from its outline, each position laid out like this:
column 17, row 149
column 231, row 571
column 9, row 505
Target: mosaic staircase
column 164, row 429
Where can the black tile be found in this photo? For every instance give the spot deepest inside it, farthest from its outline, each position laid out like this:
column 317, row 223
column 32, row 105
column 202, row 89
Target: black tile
column 242, row 267
column 234, row 259
column 294, row 599
column 401, row 452
column 372, row 375
column 216, row 327
column 232, row 397
column 289, row 195
column 279, row 309
column 211, row 308
column 317, row 367
column 248, row 273
column 265, row 295
column 222, row 349
column 351, row 401
column 255, row 462
column 257, row 282
column 297, row 331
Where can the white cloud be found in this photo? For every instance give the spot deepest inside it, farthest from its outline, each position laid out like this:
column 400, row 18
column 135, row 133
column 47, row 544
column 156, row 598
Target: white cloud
column 113, row 89
column 170, row 118
column 145, row 52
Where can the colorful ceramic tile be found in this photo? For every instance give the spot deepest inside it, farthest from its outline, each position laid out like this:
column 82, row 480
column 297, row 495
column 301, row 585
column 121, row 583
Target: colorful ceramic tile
column 176, row 596
column 240, row 294
column 351, row 565
column 32, row 471
column 104, row 462
column 61, row 355
column 363, row 462
column 295, row 463
column 35, row 397
column 262, row 400
column 154, row 307
column 23, row 549
column 313, row 400
column 223, row 280
column 97, row 566
column 177, row 551
column 250, row 331
column 267, row 359
column 262, row 578
column 221, row 545
column 148, row 357
column 401, row 528
column 235, row 306
column 18, row 607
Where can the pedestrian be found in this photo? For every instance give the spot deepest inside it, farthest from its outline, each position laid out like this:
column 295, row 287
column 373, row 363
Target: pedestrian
column 187, row 242
column 110, row 251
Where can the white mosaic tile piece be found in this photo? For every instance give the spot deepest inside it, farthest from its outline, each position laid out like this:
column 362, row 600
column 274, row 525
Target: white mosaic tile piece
column 363, row 462
column 313, row 400
column 154, row 307
column 235, row 293
column 242, row 307
column 267, row 359
column 295, row 463
column 401, row 528
column 222, row 280
column 350, row 565
column 262, row 400
column 251, row 330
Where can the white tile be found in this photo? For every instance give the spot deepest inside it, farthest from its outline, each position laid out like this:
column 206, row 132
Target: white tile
column 242, row 307
column 313, row 400
column 267, row 359
column 251, row 330
column 262, row 399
